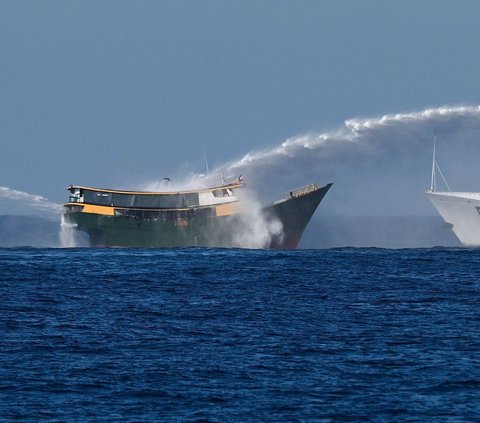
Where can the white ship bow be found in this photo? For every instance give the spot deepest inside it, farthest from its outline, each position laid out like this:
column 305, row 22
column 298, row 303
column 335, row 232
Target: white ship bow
column 462, row 211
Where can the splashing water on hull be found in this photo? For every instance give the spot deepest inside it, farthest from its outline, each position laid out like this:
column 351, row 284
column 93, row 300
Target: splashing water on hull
column 67, row 233
column 255, row 229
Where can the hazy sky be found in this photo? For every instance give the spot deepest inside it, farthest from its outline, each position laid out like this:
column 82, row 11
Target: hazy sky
column 116, row 93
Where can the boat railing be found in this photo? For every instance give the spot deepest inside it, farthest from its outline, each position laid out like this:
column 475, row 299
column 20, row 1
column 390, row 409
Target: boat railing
column 303, row 190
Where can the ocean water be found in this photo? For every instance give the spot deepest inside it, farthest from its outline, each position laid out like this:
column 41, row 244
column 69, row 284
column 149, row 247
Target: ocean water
column 218, row 335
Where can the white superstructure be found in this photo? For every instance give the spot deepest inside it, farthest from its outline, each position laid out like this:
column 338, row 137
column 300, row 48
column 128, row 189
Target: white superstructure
column 459, row 209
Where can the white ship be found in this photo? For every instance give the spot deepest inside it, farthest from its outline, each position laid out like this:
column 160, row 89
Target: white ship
column 461, row 210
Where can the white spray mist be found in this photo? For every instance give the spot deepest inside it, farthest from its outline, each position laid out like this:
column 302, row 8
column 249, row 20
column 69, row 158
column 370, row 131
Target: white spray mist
column 33, row 203
column 254, row 229
column 302, row 157
column 397, row 133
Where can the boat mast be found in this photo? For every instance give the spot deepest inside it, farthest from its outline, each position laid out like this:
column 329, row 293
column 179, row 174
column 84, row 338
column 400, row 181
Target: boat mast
column 433, row 184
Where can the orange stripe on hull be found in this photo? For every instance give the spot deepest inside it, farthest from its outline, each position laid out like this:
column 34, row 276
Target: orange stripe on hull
column 90, row 208
column 227, row 209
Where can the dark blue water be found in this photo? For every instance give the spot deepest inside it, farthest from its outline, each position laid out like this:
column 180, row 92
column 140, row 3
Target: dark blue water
column 235, row 335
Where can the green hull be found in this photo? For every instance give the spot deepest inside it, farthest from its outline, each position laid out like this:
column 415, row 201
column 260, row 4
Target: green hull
column 201, row 230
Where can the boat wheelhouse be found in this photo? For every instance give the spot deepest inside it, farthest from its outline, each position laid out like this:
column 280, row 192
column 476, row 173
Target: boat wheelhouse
column 113, row 202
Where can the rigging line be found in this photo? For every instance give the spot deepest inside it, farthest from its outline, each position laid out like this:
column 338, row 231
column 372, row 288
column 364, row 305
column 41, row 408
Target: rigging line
column 433, row 184
column 443, row 177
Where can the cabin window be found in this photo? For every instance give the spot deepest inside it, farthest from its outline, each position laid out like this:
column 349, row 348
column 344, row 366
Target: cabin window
column 97, row 198
column 222, row 193
column 75, row 195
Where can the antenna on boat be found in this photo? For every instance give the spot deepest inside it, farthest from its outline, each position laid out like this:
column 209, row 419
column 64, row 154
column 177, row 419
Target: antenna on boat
column 205, row 158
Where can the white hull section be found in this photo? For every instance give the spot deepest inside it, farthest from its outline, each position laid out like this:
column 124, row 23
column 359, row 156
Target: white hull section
column 462, row 211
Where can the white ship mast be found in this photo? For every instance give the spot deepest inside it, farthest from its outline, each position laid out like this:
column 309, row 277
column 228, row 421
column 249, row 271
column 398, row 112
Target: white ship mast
column 433, row 184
